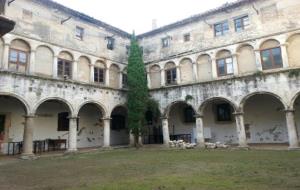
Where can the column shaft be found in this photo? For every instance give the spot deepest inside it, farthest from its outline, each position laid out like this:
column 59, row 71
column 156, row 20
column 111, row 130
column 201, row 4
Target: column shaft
column 5, row 57
column 165, row 128
column 292, row 130
column 72, row 134
column 239, row 118
column 200, row 132
column 106, row 133
column 28, row 137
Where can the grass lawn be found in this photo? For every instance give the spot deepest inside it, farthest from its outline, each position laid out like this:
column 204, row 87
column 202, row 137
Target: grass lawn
column 130, row 169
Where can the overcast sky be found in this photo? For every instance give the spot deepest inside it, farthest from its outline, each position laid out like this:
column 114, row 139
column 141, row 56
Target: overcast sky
column 137, row 15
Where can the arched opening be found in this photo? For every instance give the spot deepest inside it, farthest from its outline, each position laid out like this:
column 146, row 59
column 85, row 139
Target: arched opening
column 182, row 122
column 90, row 126
column 84, row 69
column 19, row 56
column 65, row 65
column 270, row 52
column 297, row 114
column 293, row 50
column 186, row 71
column 12, row 112
column 264, row 119
column 155, row 76
column 224, row 63
column 246, row 59
column 204, row 68
column 100, row 72
column 152, row 132
column 170, row 73
column 219, row 121
column 51, row 125
column 114, row 76
column 44, row 61
column 119, row 134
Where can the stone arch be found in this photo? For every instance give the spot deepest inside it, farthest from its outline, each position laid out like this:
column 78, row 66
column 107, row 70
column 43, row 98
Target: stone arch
column 166, row 112
column 155, row 76
column 20, row 44
column 204, row 67
column 44, row 60
column 245, row 98
column 100, row 64
column 119, row 125
column 246, row 59
column 26, row 105
column 186, row 70
column 65, row 102
column 66, row 55
column 210, row 100
column 293, row 50
column 269, row 43
column 291, row 103
column 84, row 68
column 169, row 65
column 99, row 105
column 114, row 76
column 223, row 53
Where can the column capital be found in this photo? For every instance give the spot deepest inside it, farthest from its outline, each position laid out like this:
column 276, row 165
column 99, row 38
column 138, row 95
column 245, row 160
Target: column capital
column 73, row 117
column 106, row 118
column 164, row 117
column 29, row 116
column 238, row 113
column 289, row 110
column 198, row 115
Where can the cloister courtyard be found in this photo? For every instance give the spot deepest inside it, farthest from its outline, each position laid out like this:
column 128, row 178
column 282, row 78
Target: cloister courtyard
column 155, row 169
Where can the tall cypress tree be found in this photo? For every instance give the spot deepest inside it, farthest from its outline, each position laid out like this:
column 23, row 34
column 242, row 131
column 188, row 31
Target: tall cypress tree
column 137, row 90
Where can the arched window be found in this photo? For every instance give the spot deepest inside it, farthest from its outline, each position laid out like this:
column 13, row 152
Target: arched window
column 124, row 78
column 99, row 72
column 64, row 65
column 270, row 53
column 224, row 63
column 84, row 69
column 19, row 56
column 186, row 70
column 114, row 76
column 155, row 76
column 171, row 75
column 204, row 67
column 44, row 61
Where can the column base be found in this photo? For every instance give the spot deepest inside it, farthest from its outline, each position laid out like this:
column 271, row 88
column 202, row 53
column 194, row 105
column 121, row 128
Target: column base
column 294, row 148
column 200, row 146
column 243, row 147
column 71, row 151
column 107, row 148
column 29, row 156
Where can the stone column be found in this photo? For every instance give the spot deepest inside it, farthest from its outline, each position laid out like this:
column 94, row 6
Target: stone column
column 195, row 71
column 200, row 131
column 106, row 132
column 5, row 57
column 28, row 137
column 131, row 139
column 235, row 65
column 240, row 127
column 178, row 78
column 120, row 79
column 54, row 66
column 107, row 77
column 292, row 130
column 75, row 70
column 214, row 68
column 165, row 129
column 148, row 80
column 258, row 60
column 284, row 54
column 163, row 77
column 72, row 134
column 31, row 66
column 92, row 80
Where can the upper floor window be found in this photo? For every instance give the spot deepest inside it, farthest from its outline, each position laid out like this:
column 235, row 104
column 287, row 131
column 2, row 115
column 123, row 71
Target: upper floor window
column 166, row 42
column 127, row 50
column 271, row 57
column 221, row 28
column 79, row 32
column 27, row 15
column 110, row 43
column 124, row 80
column 18, row 56
column 187, row 37
column 99, row 75
column 241, row 23
column 64, row 68
column 171, row 74
column 224, row 63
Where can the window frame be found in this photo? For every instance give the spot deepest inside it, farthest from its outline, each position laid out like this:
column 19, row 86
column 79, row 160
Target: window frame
column 168, row 40
column 124, row 80
column 274, row 66
column 223, row 32
column 187, row 37
column 99, row 70
column 64, row 61
column 229, row 109
column 17, row 63
column 110, row 43
column 225, row 65
column 173, row 79
column 81, row 33
column 243, row 26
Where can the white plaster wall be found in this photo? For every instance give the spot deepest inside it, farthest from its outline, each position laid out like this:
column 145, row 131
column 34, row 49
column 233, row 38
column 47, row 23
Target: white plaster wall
column 267, row 120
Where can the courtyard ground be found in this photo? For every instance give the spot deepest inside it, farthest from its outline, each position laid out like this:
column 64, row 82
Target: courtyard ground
column 156, row 169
